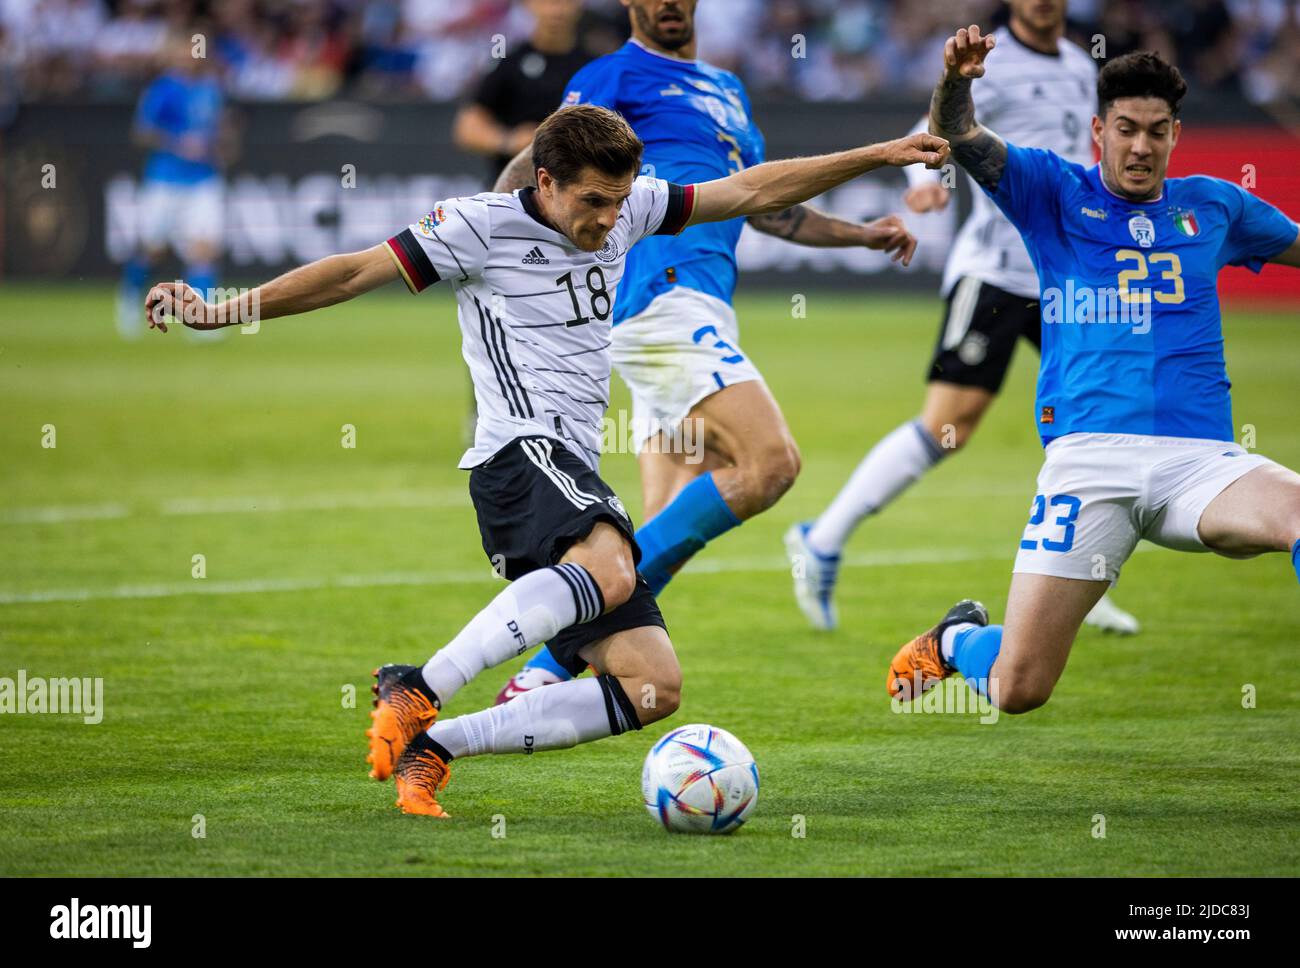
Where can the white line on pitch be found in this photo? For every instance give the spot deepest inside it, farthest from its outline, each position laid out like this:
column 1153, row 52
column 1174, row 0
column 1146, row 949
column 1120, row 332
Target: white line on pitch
column 183, row 507
column 257, row 586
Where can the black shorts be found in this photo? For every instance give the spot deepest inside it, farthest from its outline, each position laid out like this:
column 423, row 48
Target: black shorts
column 978, row 334
column 534, row 499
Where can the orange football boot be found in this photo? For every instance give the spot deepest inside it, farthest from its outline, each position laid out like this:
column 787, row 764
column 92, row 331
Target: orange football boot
column 919, row 664
column 420, row 774
column 404, row 708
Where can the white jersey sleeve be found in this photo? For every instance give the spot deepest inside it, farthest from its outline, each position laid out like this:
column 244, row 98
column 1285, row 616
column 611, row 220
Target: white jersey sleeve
column 657, row 207
column 450, row 242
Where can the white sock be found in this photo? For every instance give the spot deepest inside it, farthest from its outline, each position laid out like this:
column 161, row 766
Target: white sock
column 527, row 613
column 549, row 718
column 890, row 468
column 950, row 636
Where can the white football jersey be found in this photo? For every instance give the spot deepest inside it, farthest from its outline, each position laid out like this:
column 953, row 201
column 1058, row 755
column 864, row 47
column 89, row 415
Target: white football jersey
column 534, row 309
column 1030, row 99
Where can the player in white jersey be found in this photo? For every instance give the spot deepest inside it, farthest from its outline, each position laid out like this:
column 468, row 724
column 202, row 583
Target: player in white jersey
column 1043, row 94
column 535, row 274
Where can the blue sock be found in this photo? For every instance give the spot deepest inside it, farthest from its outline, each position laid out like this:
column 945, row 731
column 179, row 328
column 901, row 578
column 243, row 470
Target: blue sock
column 135, row 275
column 696, row 516
column 544, row 660
column 973, row 653
column 203, row 277
column 1295, row 558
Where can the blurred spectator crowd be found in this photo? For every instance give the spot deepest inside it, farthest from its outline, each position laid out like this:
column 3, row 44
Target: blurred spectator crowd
column 437, row 49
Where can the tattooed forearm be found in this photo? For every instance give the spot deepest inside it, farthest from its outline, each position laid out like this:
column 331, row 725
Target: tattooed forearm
column 974, row 147
column 784, row 225
column 984, row 156
column 518, row 174
column 952, row 109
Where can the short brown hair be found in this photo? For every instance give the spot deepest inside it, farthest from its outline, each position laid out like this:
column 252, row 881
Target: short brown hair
column 582, row 136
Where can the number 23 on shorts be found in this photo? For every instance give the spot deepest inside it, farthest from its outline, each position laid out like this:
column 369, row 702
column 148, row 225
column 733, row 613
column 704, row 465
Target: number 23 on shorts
column 1069, row 505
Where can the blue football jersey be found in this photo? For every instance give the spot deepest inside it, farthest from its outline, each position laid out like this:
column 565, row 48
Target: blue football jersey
column 1132, row 336
column 697, row 125
column 178, row 106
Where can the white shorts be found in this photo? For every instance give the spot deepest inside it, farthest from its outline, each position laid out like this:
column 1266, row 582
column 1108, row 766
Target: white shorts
column 683, row 347
column 180, row 215
column 1098, row 494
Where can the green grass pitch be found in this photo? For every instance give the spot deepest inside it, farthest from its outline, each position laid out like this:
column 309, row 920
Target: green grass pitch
column 226, row 696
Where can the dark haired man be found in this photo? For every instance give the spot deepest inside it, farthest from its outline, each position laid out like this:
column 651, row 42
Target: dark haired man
column 535, row 275
column 1042, row 91
column 1133, row 403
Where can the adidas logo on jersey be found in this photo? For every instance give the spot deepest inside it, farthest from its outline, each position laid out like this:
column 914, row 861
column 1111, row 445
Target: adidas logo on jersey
column 535, row 258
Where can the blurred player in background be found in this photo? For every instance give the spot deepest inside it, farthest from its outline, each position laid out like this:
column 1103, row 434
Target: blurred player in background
column 523, row 88
column 676, row 338
column 1042, row 95
column 180, row 121
column 1133, row 397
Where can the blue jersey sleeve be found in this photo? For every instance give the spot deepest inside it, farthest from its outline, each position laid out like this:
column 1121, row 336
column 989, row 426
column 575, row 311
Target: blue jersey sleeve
column 1028, row 192
column 597, row 83
column 151, row 112
column 1259, row 230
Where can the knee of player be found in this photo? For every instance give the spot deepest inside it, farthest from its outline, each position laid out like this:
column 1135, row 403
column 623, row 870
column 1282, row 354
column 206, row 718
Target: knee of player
column 617, row 580
column 1021, row 694
column 951, row 434
column 663, row 695
column 770, row 472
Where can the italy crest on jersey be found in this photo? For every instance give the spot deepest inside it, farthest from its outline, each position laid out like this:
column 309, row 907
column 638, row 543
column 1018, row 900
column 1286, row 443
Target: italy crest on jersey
column 1185, row 222
column 1143, row 230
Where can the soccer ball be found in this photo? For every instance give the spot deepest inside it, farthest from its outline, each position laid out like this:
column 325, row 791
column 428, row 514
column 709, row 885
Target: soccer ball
column 699, row 779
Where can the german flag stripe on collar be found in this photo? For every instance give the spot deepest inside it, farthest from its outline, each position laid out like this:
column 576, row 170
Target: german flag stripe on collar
column 417, row 271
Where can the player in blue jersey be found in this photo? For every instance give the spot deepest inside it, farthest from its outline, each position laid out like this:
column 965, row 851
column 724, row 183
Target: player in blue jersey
column 1133, row 404
column 676, row 341
column 179, row 119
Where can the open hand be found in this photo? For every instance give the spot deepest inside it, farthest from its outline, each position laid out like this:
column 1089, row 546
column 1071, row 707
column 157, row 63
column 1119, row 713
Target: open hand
column 964, row 53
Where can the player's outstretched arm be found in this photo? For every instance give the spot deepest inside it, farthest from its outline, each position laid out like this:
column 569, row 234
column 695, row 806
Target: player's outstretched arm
column 805, row 225
column 519, row 173
column 952, row 110
column 777, row 185
column 334, row 279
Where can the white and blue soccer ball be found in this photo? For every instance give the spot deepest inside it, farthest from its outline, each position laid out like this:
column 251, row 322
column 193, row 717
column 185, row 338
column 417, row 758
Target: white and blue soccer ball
column 699, row 779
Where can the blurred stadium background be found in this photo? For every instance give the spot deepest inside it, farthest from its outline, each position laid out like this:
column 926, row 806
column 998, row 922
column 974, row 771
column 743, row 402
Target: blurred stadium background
column 314, row 85
column 223, row 695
